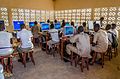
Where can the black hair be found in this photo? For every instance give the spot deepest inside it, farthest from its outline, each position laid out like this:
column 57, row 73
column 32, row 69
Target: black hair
column 97, row 26
column 48, row 21
column 55, row 21
column 80, row 29
column 102, row 18
column 108, row 27
column 72, row 23
column 22, row 26
column 84, row 24
column 63, row 24
column 63, row 21
column 114, row 26
column 35, row 22
column 52, row 26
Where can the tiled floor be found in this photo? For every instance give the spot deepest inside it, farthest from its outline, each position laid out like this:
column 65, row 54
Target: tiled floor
column 48, row 67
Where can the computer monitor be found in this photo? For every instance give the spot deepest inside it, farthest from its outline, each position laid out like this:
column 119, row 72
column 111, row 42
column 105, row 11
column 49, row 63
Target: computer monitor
column 90, row 25
column 45, row 26
column 17, row 25
column 57, row 26
column 68, row 31
column 67, row 24
column 3, row 24
column 31, row 24
column 41, row 23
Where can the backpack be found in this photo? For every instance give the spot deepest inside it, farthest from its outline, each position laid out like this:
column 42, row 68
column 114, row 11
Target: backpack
column 114, row 39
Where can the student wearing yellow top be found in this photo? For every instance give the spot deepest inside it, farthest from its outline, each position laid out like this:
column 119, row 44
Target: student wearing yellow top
column 82, row 41
column 100, row 41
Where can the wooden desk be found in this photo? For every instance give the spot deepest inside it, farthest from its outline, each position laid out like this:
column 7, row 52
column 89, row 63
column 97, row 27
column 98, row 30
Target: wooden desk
column 63, row 40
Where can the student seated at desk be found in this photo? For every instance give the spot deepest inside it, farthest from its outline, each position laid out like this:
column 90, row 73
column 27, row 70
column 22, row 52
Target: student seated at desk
column 109, row 33
column 5, row 46
column 5, row 43
column 25, row 37
column 54, row 36
column 114, row 30
column 82, row 41
column 100, row 42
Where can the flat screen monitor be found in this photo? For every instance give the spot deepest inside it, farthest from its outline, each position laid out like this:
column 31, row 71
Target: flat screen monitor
column 68, row 31
column 45, row 26
column 31, row 24
column 3, row 24
column 90, row 25
column 57, row 26
column 67, row 24
column 17, row 25
column 41, row 23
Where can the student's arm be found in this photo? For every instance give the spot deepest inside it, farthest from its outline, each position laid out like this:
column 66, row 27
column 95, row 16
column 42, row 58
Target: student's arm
column 18, row 37
column 74, row 39
column 95, row 40
column 31, row 35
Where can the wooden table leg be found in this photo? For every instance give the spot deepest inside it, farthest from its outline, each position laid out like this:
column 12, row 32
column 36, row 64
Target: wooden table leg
column 61, row 49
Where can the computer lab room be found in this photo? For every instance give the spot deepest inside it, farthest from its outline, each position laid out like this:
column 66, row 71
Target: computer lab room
column 59, row 39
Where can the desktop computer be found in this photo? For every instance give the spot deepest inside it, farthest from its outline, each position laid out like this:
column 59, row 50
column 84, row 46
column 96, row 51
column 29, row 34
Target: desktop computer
column 57, row 26
column 31, row 24
column 68, row 31
column 17, row 25
column 45, row 26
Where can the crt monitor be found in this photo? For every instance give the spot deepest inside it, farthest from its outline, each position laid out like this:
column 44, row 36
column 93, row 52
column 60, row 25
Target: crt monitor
column 31, row 24
column 45, row 27
column 3, row 24
column 41, row 23
column 17, row 25
column 90, row 25
column 68, row 31
column 57, row 26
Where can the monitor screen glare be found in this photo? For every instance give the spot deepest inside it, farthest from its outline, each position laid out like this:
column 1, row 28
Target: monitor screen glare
column 45, row 27
column 68, row 31
column 16, row 24
column 57, row 26
column 31, row 24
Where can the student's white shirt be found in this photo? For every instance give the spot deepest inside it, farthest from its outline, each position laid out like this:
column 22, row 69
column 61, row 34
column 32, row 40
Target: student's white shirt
column 115, row 32
column 83, row 43
column 54, row 35
column 5, row 39
column 25, row 37
column 1, row 72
